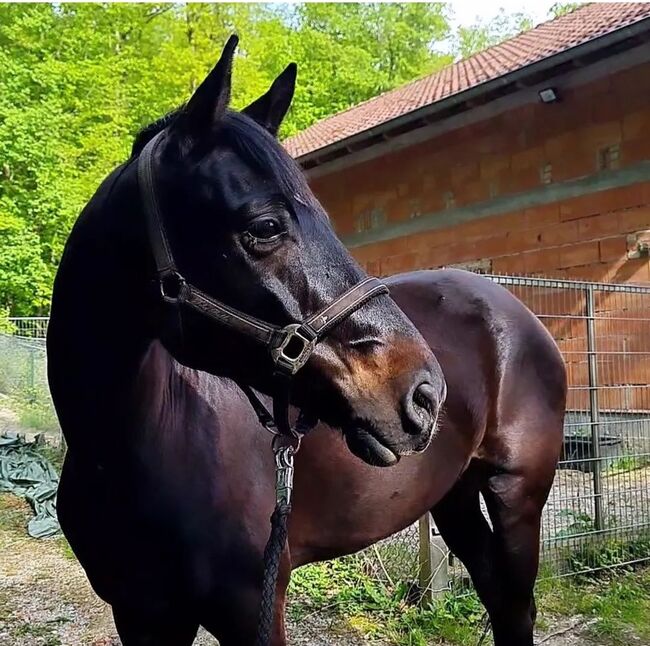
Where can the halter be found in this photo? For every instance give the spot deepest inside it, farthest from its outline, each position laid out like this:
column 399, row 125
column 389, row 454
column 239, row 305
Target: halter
column 289, row 347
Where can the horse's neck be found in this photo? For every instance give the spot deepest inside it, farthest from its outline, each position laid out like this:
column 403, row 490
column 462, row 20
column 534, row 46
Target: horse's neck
column 98, row 336
column 166, row 393
column 111, row 380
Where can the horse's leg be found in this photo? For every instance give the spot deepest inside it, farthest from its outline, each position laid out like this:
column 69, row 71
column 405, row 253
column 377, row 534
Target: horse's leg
column 523, row 456
column 502, row 563
column 142, row 629
column 515, row 504
column 235, row 623
column 468, row 535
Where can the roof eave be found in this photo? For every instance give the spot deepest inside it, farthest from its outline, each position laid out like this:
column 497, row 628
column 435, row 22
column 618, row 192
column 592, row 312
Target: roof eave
column 479, row 94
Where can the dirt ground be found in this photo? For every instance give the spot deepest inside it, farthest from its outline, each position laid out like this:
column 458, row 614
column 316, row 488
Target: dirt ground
column 45, row 600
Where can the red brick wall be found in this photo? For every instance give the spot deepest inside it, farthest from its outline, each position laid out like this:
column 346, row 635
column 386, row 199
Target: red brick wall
column 513, row 153
column 588, row 237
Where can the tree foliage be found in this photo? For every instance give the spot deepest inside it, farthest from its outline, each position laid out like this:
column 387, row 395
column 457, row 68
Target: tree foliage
column 77, row 82
column 563, row 8
column 485, row 33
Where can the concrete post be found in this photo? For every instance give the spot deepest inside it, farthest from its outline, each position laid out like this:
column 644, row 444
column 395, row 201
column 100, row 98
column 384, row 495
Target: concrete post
column 434, row 576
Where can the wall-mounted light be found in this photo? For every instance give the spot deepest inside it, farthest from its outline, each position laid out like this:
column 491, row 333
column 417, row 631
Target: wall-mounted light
column 548, row 95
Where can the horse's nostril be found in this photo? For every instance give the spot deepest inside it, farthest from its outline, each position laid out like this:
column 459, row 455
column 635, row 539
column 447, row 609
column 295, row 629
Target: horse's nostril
column 420, row 407
column 424, row 396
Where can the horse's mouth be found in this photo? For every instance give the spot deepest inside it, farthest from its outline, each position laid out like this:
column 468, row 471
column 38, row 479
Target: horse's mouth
column 366, row 446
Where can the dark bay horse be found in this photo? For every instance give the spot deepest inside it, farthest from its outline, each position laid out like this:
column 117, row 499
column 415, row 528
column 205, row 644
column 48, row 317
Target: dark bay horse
column 167, row 486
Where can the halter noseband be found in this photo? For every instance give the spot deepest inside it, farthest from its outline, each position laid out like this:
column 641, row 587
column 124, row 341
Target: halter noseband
column 290, row 346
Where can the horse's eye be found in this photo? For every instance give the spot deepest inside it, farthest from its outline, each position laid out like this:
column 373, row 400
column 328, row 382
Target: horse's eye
column 265, row 228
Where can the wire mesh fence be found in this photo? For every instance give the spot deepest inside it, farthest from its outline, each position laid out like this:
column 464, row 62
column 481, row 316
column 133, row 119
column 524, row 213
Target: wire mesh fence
column 598, row 512
column 25, row 399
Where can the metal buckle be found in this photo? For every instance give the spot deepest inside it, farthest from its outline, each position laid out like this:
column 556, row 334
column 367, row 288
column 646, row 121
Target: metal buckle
column 293, row 351
column 174, row 281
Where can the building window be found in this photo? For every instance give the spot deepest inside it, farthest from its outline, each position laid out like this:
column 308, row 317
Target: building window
column 369, row 220
column 449, row 200
column 546, row 173
column 608, row 157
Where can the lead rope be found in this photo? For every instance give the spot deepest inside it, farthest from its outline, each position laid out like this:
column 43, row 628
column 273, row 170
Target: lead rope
column 285, row 445
column 284, row 469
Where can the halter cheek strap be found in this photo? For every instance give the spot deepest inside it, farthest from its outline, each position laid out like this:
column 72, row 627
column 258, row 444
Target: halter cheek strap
column 289, row 347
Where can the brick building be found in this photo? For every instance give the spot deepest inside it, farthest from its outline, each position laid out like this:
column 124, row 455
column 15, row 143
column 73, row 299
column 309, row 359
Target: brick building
column 532, row 157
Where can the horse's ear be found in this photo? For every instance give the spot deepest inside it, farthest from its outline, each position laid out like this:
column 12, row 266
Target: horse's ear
column 211, row 98
column 271, row 108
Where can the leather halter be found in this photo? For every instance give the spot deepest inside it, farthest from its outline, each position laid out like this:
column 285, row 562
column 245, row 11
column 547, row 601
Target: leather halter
column 289, row 347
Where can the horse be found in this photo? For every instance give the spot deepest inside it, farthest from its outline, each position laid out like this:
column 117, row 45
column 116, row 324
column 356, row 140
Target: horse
column 449, row 388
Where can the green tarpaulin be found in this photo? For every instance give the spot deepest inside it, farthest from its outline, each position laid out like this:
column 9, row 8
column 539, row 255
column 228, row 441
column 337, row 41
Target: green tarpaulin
column 25, row 472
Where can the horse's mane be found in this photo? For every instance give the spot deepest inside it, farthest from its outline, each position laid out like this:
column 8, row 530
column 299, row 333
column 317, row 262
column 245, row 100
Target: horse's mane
column 251, row 142
column 147, row 133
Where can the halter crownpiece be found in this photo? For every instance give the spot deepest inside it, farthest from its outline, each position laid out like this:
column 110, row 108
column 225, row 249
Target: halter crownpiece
column 291, row 346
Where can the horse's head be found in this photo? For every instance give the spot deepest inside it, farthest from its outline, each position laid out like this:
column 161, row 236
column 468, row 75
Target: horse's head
column 244, row 227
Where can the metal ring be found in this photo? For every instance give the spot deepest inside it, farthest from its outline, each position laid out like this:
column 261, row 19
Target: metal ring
column 271, row 427
column 180, row 283
column 281, row 441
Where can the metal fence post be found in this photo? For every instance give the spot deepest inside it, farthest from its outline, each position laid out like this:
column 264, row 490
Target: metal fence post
column 32, row 375
column 594, row 412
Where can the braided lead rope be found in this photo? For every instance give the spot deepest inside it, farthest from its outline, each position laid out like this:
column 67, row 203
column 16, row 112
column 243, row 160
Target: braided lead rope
column 284, row 468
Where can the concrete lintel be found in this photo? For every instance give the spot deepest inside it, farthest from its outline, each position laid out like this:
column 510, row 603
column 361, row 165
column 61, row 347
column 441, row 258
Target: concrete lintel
column 546, row 194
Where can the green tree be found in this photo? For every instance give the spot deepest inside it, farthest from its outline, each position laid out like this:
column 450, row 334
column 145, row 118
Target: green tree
column 486, row 33
column 563, row 8
column 349, row 52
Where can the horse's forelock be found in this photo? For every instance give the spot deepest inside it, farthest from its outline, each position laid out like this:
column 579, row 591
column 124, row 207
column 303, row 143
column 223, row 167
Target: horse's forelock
column 259, row 148
column 253, row 143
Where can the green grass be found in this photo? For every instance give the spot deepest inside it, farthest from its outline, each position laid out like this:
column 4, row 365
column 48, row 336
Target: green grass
column 607, row 552
column 43, row 632
column 65, row 548
column 615, row 606
column 626, row 463
column 366, row 606
column 618, row 603
column 37, row 415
